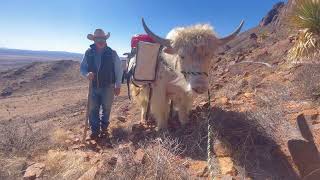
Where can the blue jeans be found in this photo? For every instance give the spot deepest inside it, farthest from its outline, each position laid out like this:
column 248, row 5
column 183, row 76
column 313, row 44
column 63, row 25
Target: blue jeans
column 100, row 98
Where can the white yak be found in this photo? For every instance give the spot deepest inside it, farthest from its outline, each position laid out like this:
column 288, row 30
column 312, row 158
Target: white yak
column 183, row 68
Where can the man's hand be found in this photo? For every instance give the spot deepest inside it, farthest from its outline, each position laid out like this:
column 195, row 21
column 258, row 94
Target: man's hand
column 117, row 91
column 90, row 76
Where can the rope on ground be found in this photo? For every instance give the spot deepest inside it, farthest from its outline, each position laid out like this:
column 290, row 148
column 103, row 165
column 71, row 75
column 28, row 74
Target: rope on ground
column 211, row 157
column 256, row 62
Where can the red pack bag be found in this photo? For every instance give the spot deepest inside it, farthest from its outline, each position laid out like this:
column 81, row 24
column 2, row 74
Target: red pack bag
column 140, row 37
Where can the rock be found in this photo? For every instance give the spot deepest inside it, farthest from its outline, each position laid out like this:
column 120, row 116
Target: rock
column 96, row 159
column 93, row 142
column 137, row 128
column 204, row 172
column 34, row 171
column 311, row 114
column 112, row 161
column 90, row 174
column 220, row 150
column 121, row 118
column 75, row 114
column 74, row 147
column 223, row 100
column 292, row 38
column 227, row 166
column 253, row 36
column 76, row 140
column 187, row 165
column 7, row 91
column 240, row 58
column 248, row 95
column 124, row 147
column 140, row 156
column 272, row 15
column 68, row 141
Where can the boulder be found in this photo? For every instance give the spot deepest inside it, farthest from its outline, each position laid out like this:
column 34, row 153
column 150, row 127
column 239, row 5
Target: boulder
column 34, row 171
column 140, row 156
column 253, row 36
column 227, row 166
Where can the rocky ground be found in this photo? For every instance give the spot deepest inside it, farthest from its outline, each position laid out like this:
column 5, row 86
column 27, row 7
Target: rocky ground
column 258, row 97
column 42, row 115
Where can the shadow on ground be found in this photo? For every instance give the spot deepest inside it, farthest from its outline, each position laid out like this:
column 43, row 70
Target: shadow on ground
column 254, row 150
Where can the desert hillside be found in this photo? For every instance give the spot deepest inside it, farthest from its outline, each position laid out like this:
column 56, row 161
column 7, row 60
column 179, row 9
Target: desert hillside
column 257, row 97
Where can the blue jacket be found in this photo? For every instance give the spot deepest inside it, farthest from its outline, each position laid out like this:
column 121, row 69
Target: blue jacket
column 106, row 66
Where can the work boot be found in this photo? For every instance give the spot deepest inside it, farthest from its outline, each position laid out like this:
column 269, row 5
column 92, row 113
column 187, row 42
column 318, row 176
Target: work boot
column 104, row 133
column 94, row 137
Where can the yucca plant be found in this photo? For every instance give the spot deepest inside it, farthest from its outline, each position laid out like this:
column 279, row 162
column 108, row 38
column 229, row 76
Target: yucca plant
column 305, row 16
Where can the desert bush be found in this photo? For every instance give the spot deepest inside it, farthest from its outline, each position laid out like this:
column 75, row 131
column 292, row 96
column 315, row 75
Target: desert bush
column 305, row 16
column 160, row 162
column 264, row 35
column 18, row 138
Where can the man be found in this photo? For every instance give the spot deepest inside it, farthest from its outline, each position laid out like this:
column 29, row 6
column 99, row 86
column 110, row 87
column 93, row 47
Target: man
column 124, row 69
column 102, row 66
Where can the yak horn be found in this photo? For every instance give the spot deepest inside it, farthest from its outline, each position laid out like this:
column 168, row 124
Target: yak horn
column 162, row 41
column 233, row 35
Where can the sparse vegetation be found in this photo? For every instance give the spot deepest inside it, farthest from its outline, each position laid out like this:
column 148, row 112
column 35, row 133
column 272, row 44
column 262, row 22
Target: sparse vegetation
column 252, row 110
column 160, row 162
column 307, row 81
column 17, row 139
column 60, row 136
column 264, row 35
column 11, row 166
column 66, row 164
column 306, row 18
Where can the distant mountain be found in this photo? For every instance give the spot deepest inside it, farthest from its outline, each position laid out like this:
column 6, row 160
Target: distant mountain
column 40, row 54
column 14, row 58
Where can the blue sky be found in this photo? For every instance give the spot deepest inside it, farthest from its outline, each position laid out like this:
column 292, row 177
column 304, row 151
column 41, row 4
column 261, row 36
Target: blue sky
column 62, row 25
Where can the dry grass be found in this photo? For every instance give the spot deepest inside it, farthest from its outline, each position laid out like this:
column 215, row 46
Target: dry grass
column 306, row 17
column 160, row 162
column 60, row 136
column 11, row 167
column 66, row 164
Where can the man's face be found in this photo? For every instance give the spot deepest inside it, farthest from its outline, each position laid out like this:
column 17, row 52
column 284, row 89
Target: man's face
column 100, row 43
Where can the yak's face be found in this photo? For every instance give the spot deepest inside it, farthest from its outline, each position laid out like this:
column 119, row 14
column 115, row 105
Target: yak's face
column 194, row 64
column 194, row 47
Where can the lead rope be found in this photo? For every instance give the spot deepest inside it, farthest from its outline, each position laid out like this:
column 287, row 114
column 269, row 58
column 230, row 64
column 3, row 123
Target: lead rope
column 209, row 147
column 211, row 158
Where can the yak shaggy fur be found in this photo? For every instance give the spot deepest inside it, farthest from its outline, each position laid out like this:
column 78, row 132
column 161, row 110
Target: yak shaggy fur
column 171, row 85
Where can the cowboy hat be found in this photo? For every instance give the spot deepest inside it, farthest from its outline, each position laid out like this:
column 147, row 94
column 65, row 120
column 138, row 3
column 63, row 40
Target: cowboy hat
column 98, row 33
